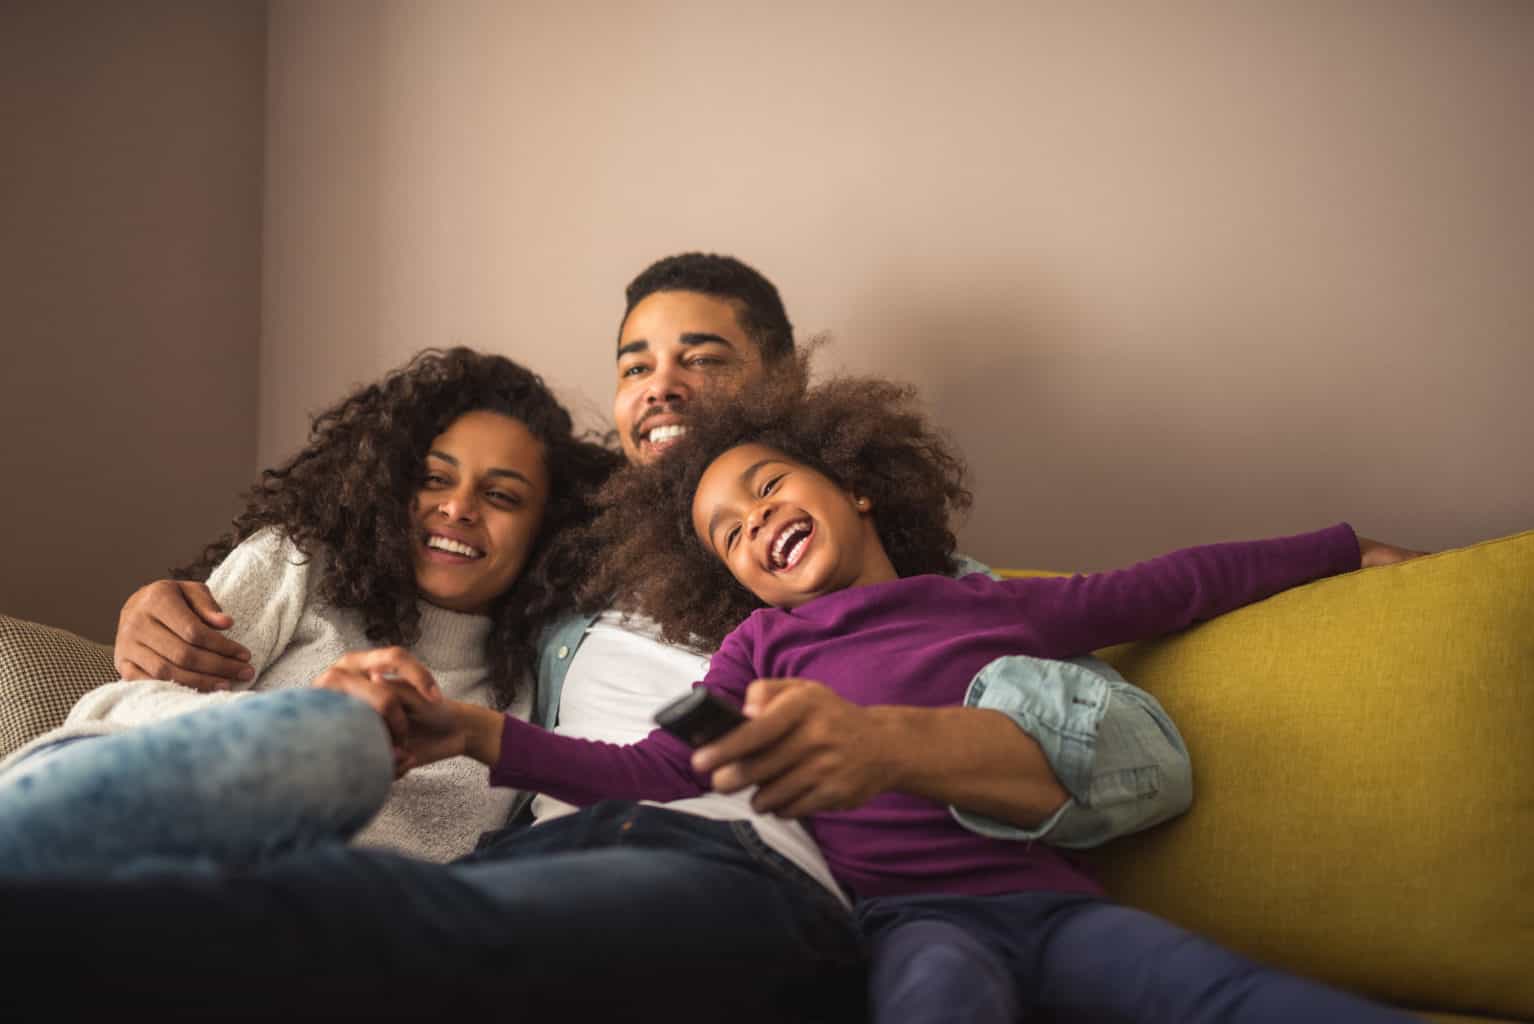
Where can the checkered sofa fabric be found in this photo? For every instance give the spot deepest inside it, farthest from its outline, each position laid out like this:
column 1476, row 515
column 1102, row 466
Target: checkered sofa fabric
column 43, row 671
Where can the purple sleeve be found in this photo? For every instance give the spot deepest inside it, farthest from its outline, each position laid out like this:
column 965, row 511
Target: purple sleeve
column 1075, row 615
column 581, row 772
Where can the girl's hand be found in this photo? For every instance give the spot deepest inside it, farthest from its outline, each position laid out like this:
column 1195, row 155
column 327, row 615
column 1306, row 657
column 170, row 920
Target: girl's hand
column 1373, row 552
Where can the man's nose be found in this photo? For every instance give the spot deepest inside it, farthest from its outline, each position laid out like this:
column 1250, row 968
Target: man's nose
column 667, row 384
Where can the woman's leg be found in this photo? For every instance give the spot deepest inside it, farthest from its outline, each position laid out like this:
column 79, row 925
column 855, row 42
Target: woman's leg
column 236, row 784
column 619, row 912
column 1101, row 961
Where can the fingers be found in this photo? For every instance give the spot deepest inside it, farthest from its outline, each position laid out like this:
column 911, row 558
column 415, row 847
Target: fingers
column 154, row 652
column 188, row 620
column 200, row 599
column 740, row 743
column 377, row 694
column 395, row 663
column 134, row 661
column 161, row 636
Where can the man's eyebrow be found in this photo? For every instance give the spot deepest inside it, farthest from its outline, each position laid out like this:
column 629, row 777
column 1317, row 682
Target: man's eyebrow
column 494, row 471
column 745, row 478
column 688, row 338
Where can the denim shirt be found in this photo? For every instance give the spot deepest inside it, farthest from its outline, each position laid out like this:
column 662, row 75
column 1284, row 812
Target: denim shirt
column 1110, row 744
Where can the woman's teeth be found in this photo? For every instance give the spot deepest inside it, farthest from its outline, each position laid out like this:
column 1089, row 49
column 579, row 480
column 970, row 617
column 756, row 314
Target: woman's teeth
column 452, row 547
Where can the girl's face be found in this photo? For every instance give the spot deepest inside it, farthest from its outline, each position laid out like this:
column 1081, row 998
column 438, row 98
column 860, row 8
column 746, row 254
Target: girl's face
column 478, row 510
column 786, row 532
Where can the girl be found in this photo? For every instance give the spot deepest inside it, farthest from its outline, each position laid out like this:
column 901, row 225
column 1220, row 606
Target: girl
column 417, row 516
column 822, row 520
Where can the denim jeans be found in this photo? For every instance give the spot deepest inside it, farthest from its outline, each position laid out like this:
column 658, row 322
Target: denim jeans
column 621, row 911
column 236, row 784
column 1064, row 956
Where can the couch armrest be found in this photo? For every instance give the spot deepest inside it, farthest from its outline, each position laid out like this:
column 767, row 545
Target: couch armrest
column 43, row 672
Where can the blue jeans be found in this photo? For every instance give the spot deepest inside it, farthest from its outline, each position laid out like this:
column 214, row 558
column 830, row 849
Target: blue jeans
column 621, row 911
column 1047, row 955
column 197, row 867
column 237, row 784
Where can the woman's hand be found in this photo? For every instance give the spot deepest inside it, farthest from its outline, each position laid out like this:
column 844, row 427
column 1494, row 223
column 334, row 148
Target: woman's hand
column 1373, row 552
column 423, row 726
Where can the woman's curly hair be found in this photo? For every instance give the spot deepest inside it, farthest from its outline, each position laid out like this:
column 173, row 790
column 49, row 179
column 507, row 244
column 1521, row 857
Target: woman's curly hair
column 866, row 434
column 348, row 496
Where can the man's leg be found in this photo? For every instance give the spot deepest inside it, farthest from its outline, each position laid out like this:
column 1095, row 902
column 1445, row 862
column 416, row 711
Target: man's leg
column 622, row 910
column 1101, row 961
column 926, row 964
column 237, row 784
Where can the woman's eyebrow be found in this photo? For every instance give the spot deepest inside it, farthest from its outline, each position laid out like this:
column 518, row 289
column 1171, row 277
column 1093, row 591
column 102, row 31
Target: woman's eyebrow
column 514, row 474
column 493, row 471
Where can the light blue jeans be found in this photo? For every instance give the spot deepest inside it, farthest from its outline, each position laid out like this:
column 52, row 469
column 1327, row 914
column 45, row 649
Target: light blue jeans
column 239, row 784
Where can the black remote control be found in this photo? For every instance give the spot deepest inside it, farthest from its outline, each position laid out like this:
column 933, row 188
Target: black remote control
column 699, row 717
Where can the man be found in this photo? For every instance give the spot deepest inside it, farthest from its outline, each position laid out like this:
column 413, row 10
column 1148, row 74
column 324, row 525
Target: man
column 567, row 916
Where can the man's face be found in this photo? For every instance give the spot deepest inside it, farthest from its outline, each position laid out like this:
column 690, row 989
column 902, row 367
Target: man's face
column 674, row 348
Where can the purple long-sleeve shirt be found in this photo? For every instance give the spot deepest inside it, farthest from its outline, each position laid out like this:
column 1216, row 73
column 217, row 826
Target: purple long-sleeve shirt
column 919, row 641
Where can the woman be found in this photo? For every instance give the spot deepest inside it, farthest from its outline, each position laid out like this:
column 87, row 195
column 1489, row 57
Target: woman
column 418, row 517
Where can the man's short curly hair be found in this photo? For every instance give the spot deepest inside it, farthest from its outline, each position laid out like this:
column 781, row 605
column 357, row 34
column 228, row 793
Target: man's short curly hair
column 348, row 496
column 757, row 304
column 866, row 434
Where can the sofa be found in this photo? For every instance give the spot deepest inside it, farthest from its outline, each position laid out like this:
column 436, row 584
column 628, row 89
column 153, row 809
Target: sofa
column 1363, row 753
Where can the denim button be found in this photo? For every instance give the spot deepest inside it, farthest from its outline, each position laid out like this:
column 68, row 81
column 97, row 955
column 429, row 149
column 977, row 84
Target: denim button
column 564, row 651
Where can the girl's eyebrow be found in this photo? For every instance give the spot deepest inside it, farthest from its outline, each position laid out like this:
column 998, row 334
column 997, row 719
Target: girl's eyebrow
column 745, row 478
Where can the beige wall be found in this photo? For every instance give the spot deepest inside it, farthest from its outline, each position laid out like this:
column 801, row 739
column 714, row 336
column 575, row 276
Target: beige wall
column 1215, row 271
column 1221, row 270
column 130, row 189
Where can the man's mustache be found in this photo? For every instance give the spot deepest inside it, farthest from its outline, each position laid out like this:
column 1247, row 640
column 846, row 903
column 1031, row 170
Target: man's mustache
column 671, row 407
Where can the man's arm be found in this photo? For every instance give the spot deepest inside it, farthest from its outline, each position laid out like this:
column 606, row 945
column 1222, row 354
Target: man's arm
column 171, row 630
column 809, row 750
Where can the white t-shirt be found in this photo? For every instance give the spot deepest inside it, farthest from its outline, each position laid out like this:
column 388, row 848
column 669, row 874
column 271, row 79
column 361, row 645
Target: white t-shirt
column 621, row 675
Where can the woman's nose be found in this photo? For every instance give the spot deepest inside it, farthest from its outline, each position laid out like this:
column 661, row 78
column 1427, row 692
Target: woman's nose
column 460, row 506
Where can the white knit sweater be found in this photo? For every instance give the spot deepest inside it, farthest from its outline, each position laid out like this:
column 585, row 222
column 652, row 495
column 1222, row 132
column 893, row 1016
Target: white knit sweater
column 269, row 589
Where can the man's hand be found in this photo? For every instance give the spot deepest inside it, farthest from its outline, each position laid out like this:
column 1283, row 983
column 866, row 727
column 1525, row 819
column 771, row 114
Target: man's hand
column 169, row 630
column 1373, row 552
column 423, row 727
column 806, row 748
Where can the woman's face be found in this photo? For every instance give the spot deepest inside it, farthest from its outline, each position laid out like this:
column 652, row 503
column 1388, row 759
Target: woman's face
column 478, row 510
column 786, row 532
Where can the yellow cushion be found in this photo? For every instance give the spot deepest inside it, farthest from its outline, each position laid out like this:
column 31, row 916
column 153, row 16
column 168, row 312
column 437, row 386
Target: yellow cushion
column 1363, row 752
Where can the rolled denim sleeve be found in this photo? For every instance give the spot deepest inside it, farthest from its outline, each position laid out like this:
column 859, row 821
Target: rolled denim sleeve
column 1110, row 744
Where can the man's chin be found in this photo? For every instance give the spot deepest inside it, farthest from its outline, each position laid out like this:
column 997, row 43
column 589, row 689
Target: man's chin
column 647, row 452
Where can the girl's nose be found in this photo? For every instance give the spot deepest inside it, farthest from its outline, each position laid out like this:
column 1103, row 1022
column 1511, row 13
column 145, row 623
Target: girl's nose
column 758, row 518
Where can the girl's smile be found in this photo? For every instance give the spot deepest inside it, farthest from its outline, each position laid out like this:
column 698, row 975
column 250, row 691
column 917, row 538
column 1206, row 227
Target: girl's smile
column 787, row 532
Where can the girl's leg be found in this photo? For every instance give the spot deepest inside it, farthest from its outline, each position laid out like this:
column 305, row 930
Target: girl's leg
column 237, row 784
column 931, row 961
column 1106, row 962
